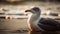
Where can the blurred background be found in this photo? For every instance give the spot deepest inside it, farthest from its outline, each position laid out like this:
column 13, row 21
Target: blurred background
column 12, row 15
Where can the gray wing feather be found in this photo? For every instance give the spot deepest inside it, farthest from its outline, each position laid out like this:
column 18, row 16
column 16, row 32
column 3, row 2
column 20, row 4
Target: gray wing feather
column 48, row 24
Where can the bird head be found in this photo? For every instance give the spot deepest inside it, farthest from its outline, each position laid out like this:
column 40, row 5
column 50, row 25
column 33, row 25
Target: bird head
column 33, row 10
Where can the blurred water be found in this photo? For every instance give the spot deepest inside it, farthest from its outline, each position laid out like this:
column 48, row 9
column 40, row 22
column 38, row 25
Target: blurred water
column 13, row 24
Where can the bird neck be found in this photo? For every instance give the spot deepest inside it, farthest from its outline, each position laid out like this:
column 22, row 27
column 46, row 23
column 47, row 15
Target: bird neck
column 34, row 17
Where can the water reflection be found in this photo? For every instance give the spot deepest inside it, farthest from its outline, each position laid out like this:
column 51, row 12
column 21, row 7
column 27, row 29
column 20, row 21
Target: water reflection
column 30, row 32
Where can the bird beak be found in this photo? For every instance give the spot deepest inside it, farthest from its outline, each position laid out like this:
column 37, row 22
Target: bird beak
column 27, row 10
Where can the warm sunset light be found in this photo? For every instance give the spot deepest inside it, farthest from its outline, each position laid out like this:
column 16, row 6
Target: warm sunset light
column 29, row 16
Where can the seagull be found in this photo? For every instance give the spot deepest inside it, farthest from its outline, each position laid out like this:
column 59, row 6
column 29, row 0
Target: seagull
column 36, row 23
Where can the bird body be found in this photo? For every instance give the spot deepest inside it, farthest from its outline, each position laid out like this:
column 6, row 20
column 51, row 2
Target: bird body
column 35, row 23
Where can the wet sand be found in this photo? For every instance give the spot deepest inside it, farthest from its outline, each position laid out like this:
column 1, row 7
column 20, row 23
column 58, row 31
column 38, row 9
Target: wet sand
column 18, row 24
column 43, row 32
column 7, row 32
